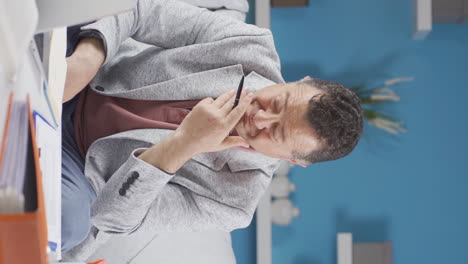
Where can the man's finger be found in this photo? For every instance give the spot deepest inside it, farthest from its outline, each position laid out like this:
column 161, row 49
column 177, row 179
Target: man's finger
column 227, row 107
column 236, row 114
column 234, row 141
column 222, row 99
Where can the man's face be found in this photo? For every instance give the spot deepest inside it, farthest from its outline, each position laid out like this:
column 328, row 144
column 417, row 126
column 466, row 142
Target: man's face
column 274, row 123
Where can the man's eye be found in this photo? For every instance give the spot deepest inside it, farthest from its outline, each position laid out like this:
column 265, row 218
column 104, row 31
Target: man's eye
column 276, row 105
column 275, row 133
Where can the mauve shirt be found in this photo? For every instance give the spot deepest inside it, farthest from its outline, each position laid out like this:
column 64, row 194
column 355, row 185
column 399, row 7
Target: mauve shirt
column 97, row 116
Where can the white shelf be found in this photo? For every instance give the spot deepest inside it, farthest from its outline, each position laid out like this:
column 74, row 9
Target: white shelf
column 422, row 18
column 264, row 229
column 344, row 248
column 262, row 13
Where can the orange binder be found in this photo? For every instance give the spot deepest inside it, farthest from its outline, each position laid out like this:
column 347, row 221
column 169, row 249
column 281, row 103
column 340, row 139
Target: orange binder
column 23, row 237
column 5, row 129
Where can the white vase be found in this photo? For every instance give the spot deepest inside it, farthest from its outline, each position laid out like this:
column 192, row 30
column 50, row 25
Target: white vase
column 281, row 187
column 283, row 212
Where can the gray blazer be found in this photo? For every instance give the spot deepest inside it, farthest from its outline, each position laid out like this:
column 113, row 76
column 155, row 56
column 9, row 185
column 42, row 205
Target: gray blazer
column 169, row 50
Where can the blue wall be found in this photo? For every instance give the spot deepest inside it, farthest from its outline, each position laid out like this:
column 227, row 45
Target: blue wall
column 410, row 189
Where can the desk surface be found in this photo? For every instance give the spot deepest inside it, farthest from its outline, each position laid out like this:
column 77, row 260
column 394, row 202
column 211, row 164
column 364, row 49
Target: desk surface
column 30, row 79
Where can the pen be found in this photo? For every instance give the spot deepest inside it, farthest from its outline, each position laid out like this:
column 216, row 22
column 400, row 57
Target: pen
column 239, row 91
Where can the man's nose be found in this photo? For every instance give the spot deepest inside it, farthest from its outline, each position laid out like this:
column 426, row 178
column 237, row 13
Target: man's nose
column 264, row 119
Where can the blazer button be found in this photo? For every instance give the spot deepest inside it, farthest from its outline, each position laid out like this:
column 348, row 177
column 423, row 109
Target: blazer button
column 126, row 185
column 122, row 192
column 99, row 88
column 135, row 175
column 130, row 180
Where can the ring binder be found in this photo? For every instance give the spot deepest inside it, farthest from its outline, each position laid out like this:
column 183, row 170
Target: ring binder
column 23, row 236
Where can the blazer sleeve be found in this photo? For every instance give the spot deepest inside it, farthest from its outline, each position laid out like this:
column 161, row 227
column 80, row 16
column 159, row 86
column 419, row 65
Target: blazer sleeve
column 168, row 24
column 153, row 203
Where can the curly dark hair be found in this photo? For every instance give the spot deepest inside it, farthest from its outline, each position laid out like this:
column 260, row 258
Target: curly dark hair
column 336, row 117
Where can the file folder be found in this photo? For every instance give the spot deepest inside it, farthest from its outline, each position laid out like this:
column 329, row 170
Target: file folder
column 23, row 236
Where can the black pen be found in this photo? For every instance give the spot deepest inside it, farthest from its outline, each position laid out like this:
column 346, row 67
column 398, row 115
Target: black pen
column 239, row 92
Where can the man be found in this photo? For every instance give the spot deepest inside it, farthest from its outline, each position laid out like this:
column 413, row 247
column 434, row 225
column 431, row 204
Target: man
column 198, row 177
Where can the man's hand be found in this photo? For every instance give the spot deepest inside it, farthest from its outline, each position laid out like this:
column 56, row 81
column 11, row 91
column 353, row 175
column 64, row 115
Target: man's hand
column 206, row 128
column 82, row 66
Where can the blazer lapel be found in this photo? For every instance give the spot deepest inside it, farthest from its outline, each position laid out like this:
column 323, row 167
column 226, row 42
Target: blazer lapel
column 236, row 159
column 241, row 160
column 145, row 138
column 190, row 87
column 194, row 86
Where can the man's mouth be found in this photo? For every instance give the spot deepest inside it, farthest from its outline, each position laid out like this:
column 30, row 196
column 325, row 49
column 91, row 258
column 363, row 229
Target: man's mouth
column 248, row 122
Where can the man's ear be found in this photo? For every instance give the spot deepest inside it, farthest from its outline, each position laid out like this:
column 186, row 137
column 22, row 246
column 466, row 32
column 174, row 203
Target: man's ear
column 299, row 163
column 306, row 78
